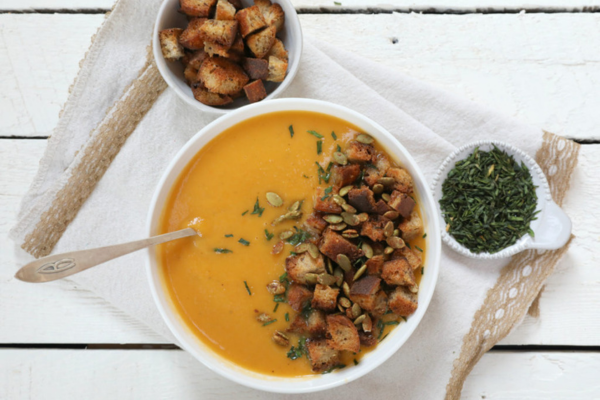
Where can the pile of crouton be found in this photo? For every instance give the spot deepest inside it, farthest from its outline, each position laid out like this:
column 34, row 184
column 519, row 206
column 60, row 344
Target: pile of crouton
column 227, row 50
column 363, row 274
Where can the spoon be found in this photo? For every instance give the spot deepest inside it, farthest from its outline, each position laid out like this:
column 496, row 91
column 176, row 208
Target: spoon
column 59, row 266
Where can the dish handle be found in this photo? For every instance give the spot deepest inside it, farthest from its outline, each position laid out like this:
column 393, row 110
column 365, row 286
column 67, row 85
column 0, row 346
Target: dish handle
column 554, row 229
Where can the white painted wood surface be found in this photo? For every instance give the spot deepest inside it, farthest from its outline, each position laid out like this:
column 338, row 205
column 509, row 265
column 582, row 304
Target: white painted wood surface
column 540, row 68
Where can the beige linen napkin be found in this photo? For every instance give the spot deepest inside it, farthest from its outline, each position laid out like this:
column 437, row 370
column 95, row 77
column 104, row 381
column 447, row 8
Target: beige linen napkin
column 95, row 182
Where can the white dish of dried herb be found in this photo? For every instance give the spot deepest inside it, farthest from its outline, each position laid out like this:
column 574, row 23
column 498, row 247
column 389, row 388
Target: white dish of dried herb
column 494, row 201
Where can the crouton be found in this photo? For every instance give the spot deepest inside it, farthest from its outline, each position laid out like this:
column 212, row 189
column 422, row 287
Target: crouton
column 374, row 228
column 277, row 69
column 333, row 244
column 403, row 181
column 380, row 304
column 381, row 162
column 364, row 292
column 274, row 16
column 196, row 8
column 237, row 4
column 262, row 5
column 213, row 49
column 398, row 272
column 298, row 296
column 299, row 265
column 260, row 43
column 325, row 203
column 225, row 11
column 402, row 203
column 169, row 44
column 250, row 20
column 381, row 207
column 256, row 68
column 278, row 50
column 315, row 223
column 342, row 334
column 403, row 302
column 325, row 298
column 359, row 152
column 345, row 175
column 222, row 76
column 411, row 227
column 238, row 45
column 298, row 325
column 190, row 74
column 367, row 339
column 192, row 37
column 411, row 256
column 316, row 324
column 255, row 91
column 197, row 58
column 375, row 265
column 219, row 32
column 322, row 356
column 362, row 199
column 210, row 99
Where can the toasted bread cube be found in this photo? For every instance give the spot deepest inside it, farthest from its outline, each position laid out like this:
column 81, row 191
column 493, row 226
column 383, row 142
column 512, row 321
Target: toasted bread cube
column 381, row 304
column 298, row 325
column 219, row 32
column 190, row 74
column 359, row 152
column 381, row 207
column 237, row 4
column 238, row 44
column 364, row 292
column 192, row 37
column 411, row 256
column 374, row 228
column 403, row 302
column 411, row 227
column 398, row 272
column 256, row 68
column 197, row 58
column 225, row 11
column 342, row 334
column 402, row 203
column 325, row 203
column 299, row 265
column 375, row 265
column 298, row 296
column 275, row 16
column 325, row 298
column 404, row 182
column 196, row 8
column 222, row 76
column 316, row 324
column 277, row 69
column 213, row 49
column 362, row 199
column 333, row 244
column 251, row 20
column 278, row 50
column 322, row 356
column 367, row 339
column 260, row 43
column 208, row 98
column 345, row 175
column 315, row 224
column 255, row 91
column 169, row 44
column 262, row 5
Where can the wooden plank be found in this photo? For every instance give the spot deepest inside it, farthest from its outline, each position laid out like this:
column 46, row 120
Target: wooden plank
column 124, row 374
column 523, row 65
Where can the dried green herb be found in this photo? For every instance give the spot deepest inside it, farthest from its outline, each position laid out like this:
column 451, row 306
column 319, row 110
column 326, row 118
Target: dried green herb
column 327, row 193
column 299, row 351
column 488, row 201
column 291, row 128
column 338, row 366
column 269, row 235
column 247, row 288
column 222, row 251
column 333, row 135
column 300, row 236
column 244, row 242
column 316, row 134
column 324, row 175
column 319, row 147
column 257, row 209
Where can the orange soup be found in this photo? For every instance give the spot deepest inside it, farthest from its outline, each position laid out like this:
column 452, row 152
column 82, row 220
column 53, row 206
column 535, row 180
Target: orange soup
column 218, row 280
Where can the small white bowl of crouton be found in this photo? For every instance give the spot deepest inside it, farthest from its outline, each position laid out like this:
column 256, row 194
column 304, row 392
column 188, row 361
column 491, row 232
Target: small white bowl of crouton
column 219, row 55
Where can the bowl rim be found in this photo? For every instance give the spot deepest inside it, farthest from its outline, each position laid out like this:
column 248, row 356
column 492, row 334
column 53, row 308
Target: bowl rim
column 171, row 79
column 385, row 349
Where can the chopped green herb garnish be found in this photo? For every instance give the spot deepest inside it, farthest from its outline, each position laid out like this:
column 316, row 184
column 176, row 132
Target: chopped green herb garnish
column 488, row 201
column 257, row 209
column 284, row 278
column 276, row 307
column 270, row 322
column 408, row 245
column 339, row 148
column 222, row 251
column 291, row 128
column 391, row 323
column 424, row 235
column 293, row 253
column 316, row 134
column 279, row 298
column 355, row 362
column 247, row 288
column 379, row 327
column 319, row 147
column 339, row 366
column 422, row 270
column 269, row 235
column 404, row 318
column 229, row 235
column 244, row 242
column 418, row 248
column 337, row 3
column 300, row 236
column 383, row 338
column 306, row 310
column 307, row 177
column 287, row 317
column 327, row 193
column 297, row 352
column 245, row 212
column 333, row 135
column 324, row 175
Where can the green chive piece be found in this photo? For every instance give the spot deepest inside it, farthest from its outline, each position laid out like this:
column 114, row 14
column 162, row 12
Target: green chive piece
column 257, row 209
column 424, row 235
column 422, row 270
column 222, row 251
column 245, row 212
column 269, row 322
column 244, row 242
column 287, row 317
column 276, row 307
column 355, row 362
column 333, row 135
column 291, row 128
column 229, row 235
column 307, row 177
column 247, row 288
column 339, row 149
column 319, row 147
column 316, row 134
column 418, row 248
column 392, row 323
column 337, row 3
column 268, row 235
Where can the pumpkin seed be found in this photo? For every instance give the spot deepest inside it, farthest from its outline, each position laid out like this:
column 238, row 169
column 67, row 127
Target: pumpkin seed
column 360, row 319
column 289, row 215
column 367, row 249
column 286, row 235
column 313, row 250
column 356, row 310
column 338, row 227
column 388, row 250
column 360, row 272
column 311, row 279
column 278, row 247
column 329, row 266
column 367, row 324
column 414, row 288
column 339, row 276
column 378, row 188
column 339, row 306
column 276, row 287
column 340, row 158
column 349, row 209
column 362, row 217
column 350, row 219
column 396, row 232
column 364, row 139
column 281, row 339
column 386, row 197
column 388, row 229
column 344, row 262
column 274, row 199
column 333, row 218
column 395, row 242
column 391, row 214
column 301, row 248
column 350, row 234
column 346, row 289
column 344, row 191
column 263, row 317
column 386, row 181
column 344, row 302
column 326, row 279
column 295, row 206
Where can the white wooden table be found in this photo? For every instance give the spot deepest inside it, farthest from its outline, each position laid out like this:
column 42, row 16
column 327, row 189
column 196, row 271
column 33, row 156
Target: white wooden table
column 540, row 65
